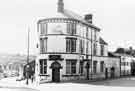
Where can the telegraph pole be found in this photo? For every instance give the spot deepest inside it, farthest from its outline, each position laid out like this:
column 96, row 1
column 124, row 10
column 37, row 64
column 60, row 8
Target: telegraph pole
column 27, row 66
column 88, row 61
column 91, row 52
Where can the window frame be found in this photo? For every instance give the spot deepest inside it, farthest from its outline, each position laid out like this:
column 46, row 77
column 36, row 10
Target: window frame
column 102, row 66
column 43, row 28
column 102, row 49
column 71, row 67
column 71, row 28
column 95, row 49
column 81, row 70
column 71, row 45
column 82, row 46
column 43, row 45
column 43, row 66
column 95, row 67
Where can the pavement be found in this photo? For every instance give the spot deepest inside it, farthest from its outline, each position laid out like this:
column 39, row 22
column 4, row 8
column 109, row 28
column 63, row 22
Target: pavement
column 116, row 84
column 11, row 83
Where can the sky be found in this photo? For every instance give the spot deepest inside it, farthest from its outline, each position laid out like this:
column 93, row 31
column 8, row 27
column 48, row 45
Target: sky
column 116, row 18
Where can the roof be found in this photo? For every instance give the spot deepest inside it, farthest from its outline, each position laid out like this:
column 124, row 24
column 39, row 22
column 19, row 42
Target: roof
column 74, row 15
column 118, row 54
column 125, row 51
column 111, row 54
column 101, row 41
column 69, row 14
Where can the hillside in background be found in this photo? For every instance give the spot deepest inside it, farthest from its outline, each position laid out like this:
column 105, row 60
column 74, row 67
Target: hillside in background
column 15, row 58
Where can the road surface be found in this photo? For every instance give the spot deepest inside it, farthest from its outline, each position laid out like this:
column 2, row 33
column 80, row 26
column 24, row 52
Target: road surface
column 16, row 89
column 121, row 82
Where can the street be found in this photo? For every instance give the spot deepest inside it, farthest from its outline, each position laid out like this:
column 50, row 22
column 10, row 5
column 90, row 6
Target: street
column 10, row 84
column 16, row 89
column 120, row 82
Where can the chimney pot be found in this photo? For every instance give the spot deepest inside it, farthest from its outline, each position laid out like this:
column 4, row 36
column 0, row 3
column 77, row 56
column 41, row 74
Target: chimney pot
column 60, row 6
column 88, row 18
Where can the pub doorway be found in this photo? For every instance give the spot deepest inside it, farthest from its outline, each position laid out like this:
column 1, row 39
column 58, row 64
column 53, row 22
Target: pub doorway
column 56, row 71
column 112, row 72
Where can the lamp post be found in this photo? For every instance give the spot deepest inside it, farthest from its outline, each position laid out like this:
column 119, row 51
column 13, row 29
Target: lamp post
column 27, row 66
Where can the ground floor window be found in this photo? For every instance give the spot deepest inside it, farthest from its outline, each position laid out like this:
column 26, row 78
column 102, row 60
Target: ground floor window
column 81, row 68
column 43, row 66
column 102, row 66
column 94, row 66
column 71, row 66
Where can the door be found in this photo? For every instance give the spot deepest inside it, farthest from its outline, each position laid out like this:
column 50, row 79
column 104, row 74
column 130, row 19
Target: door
column 112, row 72
column 56, row 75
column 106, row 73
column 56, row 66
column 133, row 69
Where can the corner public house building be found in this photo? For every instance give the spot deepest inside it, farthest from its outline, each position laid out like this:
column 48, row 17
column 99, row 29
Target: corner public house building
column 70, row 48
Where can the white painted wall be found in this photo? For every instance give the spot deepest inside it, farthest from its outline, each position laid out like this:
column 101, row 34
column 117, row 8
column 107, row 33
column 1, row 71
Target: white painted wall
column 56, row 44
column 57, row 28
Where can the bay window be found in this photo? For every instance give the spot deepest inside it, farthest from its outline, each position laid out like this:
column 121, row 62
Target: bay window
column 71, row 28
column 71, row 44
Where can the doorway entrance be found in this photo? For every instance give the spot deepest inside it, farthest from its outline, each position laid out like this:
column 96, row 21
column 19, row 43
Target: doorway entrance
column 106, row 73
column 56, row 71
column 112, row 72
column 56, row 75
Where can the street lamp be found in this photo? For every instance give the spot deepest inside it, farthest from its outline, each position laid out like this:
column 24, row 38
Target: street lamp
column 27, row 66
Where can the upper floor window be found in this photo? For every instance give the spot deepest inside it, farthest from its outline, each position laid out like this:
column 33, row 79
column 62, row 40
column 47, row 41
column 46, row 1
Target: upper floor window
column 71, row 66
column 43, row 28
column 71, row 44
column 87, row 32
column 87, row 48
column 95, row 49
column 81, row 46
column 71, row 28
column 95, row 35
column 43, row 66
column 102, row 50
column 43, row 45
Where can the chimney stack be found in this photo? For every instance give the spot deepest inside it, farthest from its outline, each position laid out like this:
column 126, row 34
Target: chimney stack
column 88, row 18
column 60, row 6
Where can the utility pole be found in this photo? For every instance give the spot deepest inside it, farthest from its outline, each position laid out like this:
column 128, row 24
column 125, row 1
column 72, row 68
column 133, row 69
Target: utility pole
column 88, row 61
column 91, row 53
column 27, row 66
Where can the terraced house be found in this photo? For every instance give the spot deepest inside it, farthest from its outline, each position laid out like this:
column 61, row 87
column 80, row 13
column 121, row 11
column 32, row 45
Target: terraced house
column 71, row 48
